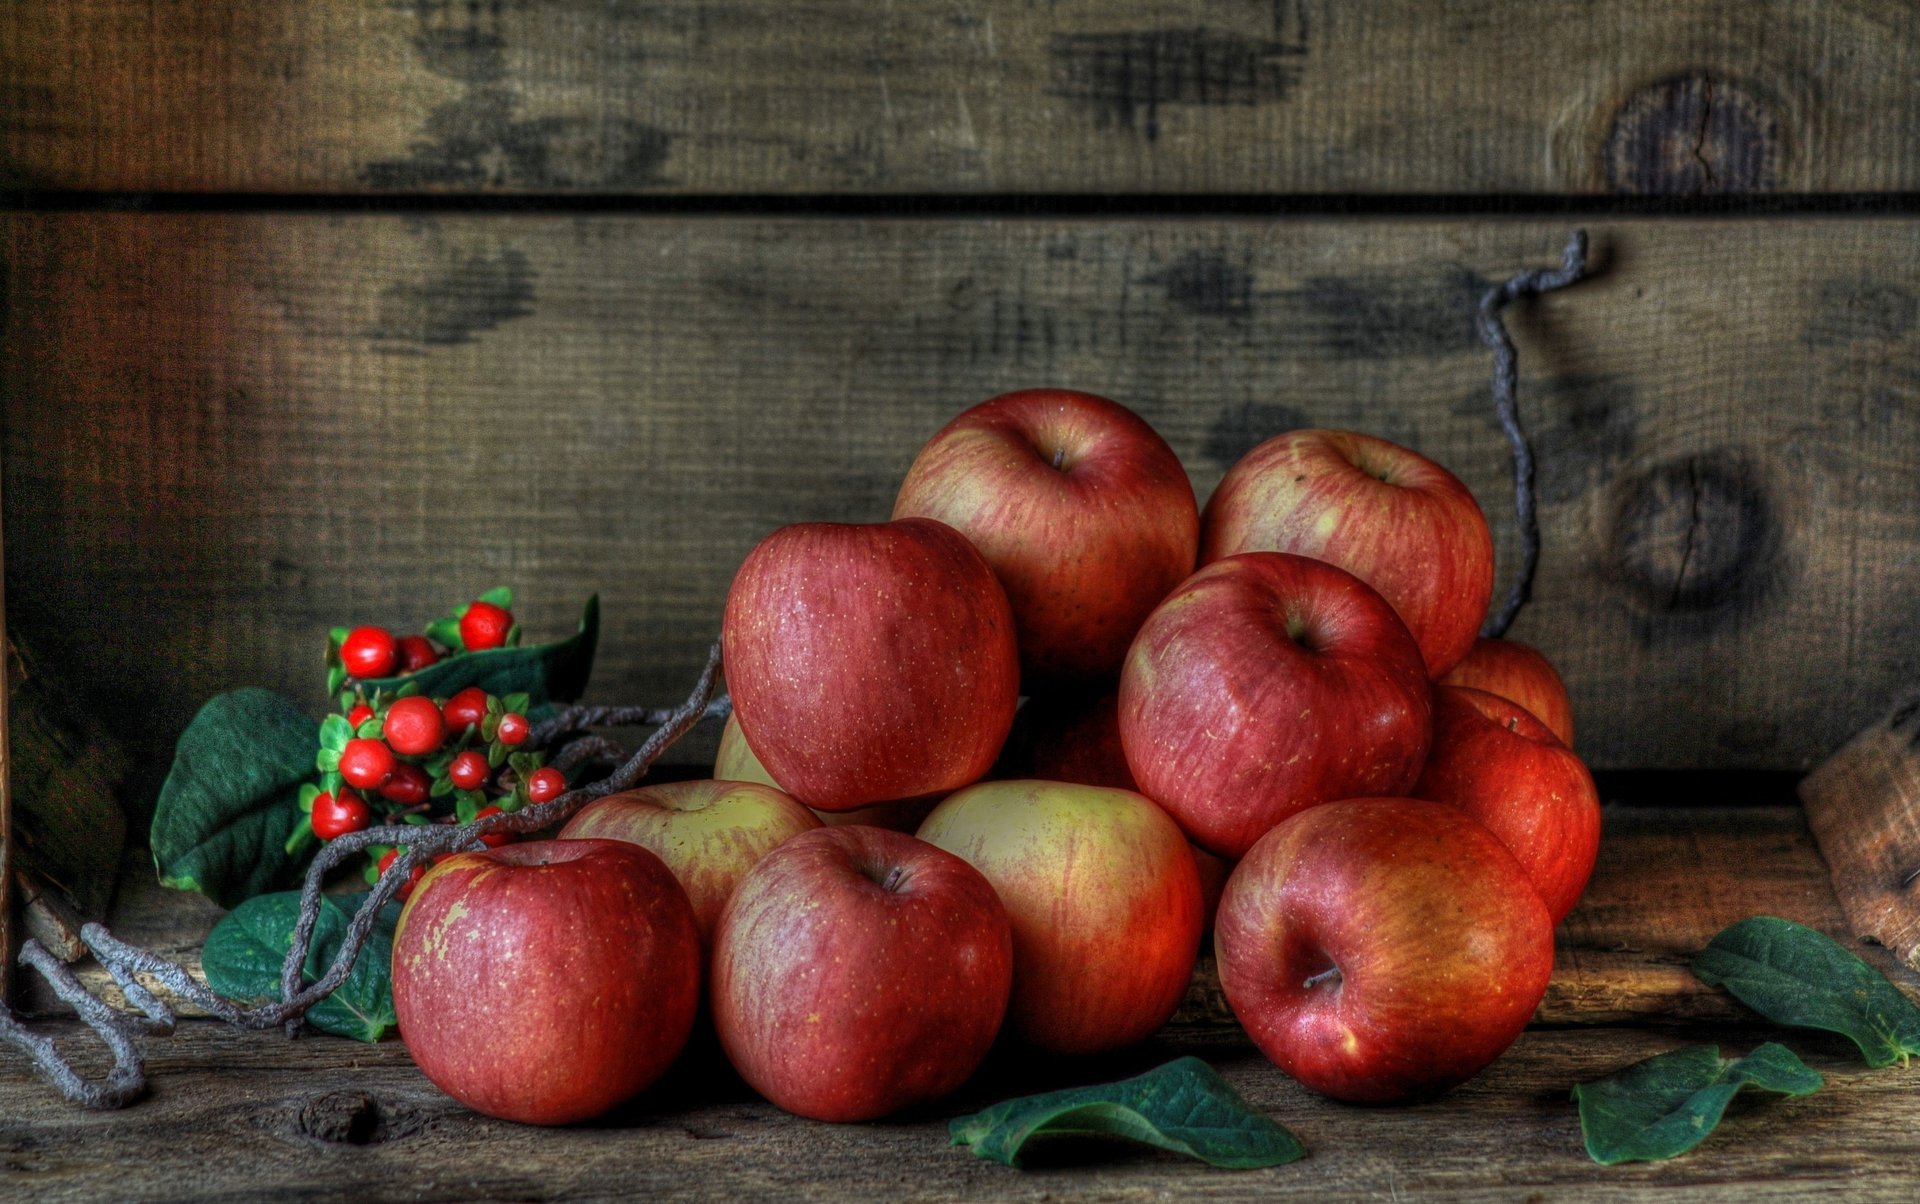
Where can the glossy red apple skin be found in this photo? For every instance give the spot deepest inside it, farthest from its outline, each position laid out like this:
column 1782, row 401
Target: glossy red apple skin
column 1492, row 759
column 544, row 982
column 870, row 662
column 858, row 972
column 1081, row 508
column 735, row 762
column 709, row 833
column 1104, row 898
column 1442, row 948
column 1266, row 684
column 1519, row 672
column 1388, row 515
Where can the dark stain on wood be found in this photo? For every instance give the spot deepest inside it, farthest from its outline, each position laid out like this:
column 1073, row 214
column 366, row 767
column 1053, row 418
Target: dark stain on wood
column 1240, row 429
column 1207, row 283
column 478, row 140
column 1586, row 428
column 1425, row 311
column 1850, row 309
column 355, row 1118
column 1126, row 78
column 467, row 293
column 1697, row 535
column 1694, row 134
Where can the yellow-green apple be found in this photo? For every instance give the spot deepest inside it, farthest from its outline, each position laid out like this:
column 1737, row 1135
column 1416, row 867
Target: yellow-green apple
column 1104, row 898
column 1081, row 508
column 1385, row 513
column 859, row 971
column 1519, row 672
column 593, row 939
column 1266, row 684
column 870, row 661
column 1492, row 759
column 708, row 833
column 735, row 762
column 1382, row 950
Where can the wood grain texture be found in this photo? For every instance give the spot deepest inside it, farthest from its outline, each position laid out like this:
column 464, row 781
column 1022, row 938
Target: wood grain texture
column 245, row 1115
column 1863, row 805
column 1147, row 96
column 7, row 921
column 225, row 433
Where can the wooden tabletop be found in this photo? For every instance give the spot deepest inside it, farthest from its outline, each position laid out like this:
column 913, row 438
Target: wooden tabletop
column 249, row 1115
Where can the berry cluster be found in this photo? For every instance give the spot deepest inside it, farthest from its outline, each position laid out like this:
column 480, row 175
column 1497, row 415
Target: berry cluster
column 401, row 757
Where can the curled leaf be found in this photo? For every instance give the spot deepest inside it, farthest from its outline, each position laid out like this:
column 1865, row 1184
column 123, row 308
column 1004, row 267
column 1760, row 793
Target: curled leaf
column 1667, row 1104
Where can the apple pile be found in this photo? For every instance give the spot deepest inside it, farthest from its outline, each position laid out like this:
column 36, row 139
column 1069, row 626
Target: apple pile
column 999, row 762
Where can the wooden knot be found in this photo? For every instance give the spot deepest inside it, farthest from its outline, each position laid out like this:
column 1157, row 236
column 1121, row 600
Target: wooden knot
column 1691, row 135
column 1696, row 534
column 354, row 1118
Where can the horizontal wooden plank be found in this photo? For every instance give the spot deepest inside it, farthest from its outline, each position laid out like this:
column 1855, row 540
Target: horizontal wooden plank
column 247, row 1114
column 1166, row 96
column 225, row 433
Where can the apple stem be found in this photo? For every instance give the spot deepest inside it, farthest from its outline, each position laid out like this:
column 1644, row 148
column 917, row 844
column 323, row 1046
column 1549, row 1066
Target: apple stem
column 894, row 878
column 1059, row 456
column 1530, row 283
column 1330, row 974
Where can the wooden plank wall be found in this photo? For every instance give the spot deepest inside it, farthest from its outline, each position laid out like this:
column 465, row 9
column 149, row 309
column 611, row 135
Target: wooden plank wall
column 342, row 311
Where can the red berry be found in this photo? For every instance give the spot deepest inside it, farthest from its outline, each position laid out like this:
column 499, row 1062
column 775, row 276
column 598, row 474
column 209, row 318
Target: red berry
column 337, row 815
column 366, row 764
column 369, row 652
column 360, row 713
column 415, row 653
column 469, row 770
column 465, row 709
column 493, row 840
column 544, row 784
column 408, row 786
column 513, row 729
column 485, row 626
column 414, row 726
column 413, row 879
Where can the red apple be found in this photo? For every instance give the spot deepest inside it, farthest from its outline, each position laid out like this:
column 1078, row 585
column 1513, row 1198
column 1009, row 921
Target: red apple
column 1068, row 736
column 859, row 971
column 547, row 981
column 1386, row 514
column 1495, row 761
column 708, row 833
column 1267, row 684
column 870, row 662
column 1214, row 871
column 735, row 762
column 1382, row 950
column 1519, row 672
column 1081, row 508
column 1104, row 899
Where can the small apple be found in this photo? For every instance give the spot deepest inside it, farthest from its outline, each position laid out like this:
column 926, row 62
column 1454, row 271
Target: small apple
column 858, row 971
column 1104, row 898
column 708, row 833
column 735, row 762
column 545, row 982
column 1382, row 950
column 1492, row 759
column 1386, row 514
column 1267, row 684
column 1522, row 673
column 870, row 662
column 1081, row 508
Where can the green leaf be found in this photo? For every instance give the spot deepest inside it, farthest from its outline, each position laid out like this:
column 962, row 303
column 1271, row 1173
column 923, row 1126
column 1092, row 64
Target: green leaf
column 445, row 631
column 546, row 673
column 243, row 954
column 232, row 798
column 1184, row 1106
column 516, row 703
column 1798, row 977
column 500, row 596
column 1667, row 1104
column 335, row 731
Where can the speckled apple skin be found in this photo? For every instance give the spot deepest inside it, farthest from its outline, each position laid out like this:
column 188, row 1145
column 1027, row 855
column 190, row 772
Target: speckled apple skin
column 1519, row 672
column 870, row 662
column 734, row 761
column 547, row 981
column 841, row 1000
column 1418, row 536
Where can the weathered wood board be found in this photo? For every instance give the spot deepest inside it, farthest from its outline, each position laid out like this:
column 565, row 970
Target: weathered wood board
column 225, row 433
column 252, row 1115
column 970, row 96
